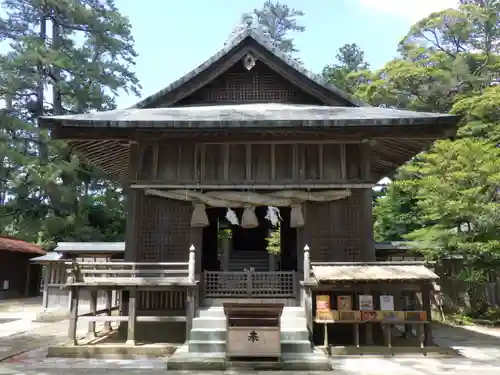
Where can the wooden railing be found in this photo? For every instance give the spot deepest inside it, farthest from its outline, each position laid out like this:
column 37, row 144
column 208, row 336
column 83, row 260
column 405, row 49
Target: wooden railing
column 127, row 272
column 278, row 284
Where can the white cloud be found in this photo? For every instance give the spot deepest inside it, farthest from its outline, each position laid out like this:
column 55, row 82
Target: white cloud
column 411, row 10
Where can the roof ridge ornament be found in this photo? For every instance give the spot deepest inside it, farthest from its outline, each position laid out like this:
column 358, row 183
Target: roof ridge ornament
column 250, row 21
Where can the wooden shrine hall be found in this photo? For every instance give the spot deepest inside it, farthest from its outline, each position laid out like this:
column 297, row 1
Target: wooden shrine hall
column 246, row 144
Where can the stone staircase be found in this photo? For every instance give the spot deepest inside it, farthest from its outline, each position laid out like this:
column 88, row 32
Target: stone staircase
column 241, row 260
column 207, row 343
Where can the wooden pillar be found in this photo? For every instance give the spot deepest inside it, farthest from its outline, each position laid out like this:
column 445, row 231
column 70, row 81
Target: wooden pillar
column 124, row 307
column 368, row 327
column 109, row 296
column 190, row 309
column 28, row 277
column 132, row 314
column 409, row 306
column 426, row 304
column 93, row 311
column 73, row 316
column 368, row 253
column 307, row 263
column 46, row 277
column 130, row 243
column 192, row 265
column 196, row 239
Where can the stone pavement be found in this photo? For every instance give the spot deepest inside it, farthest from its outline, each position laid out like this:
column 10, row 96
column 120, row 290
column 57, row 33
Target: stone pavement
column 481, row 355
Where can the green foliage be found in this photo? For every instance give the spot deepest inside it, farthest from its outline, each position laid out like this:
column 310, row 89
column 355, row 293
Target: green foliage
column 281, row 21
column 447, row 198
column 395, row 211
column 274, row 241
column 456, row 195
column 351, row 70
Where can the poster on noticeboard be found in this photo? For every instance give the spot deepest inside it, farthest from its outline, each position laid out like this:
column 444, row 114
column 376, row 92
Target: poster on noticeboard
column 344, row 303
column 365, row 302
column 323, row 303
column 386, row 303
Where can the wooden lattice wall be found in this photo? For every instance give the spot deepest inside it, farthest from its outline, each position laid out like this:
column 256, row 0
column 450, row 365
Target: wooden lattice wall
column 340, row 231
column 162, row 229
column 259, row 85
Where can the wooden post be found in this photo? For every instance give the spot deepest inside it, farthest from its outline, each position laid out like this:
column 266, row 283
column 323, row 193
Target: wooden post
column 45, row 295
column 124, row 308
column 73, row 317
column 356, row 334
column 408, row 307
column 93, row 311
column 368, row 327
column 109, row 296
column 192, row 264
column 132, row 313
column 190, row 310
column 426, row 304
column 28, row 280
column 307, row 263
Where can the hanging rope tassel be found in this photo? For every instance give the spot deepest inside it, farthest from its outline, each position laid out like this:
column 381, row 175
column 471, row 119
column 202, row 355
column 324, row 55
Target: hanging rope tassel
column 249, row 219
column 199, row 218
column 296, row 216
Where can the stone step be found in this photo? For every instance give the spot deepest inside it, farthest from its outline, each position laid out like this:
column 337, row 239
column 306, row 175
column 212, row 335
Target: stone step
column 220, row 322
column 197, row 346
column 288, row 312
column 182, row 359
column 249, row 254
column 220, row 335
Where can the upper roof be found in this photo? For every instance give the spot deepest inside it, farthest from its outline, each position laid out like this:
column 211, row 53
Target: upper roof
column 252, row 115
column 103, row 137
column 19, row 246
column 246, row 33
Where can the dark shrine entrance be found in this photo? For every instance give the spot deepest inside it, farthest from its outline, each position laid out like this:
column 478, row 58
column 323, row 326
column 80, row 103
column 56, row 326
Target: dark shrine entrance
column 246, row 242
column 236, row 261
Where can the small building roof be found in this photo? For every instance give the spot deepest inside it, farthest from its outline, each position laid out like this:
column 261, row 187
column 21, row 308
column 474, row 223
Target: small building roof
column 252, row 116
column 371, row 272
column 396, row 245
column 90, row 247
column 49, row 257
column 19, row 246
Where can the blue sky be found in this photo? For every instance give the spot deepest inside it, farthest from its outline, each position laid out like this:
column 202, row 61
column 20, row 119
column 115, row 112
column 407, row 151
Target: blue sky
column 174, row 36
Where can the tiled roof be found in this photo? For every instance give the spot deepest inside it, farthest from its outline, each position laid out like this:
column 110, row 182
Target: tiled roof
column 252, row 115
column 19, row 246
column 327, row 273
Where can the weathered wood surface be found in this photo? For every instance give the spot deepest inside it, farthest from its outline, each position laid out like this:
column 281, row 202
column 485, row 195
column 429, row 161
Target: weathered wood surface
column 122, row 274
column 241, row 163
column 253, row 284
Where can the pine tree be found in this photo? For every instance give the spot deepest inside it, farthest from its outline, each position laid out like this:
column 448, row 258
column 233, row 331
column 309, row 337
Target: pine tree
column 83, row 51
column 280, row 20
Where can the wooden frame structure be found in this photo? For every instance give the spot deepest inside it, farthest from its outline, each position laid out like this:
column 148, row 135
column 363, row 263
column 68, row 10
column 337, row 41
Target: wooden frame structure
column 408, row 285
column 250, row 119
column 57, row 298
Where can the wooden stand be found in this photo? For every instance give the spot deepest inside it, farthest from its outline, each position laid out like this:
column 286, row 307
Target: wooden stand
column 253, row 330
